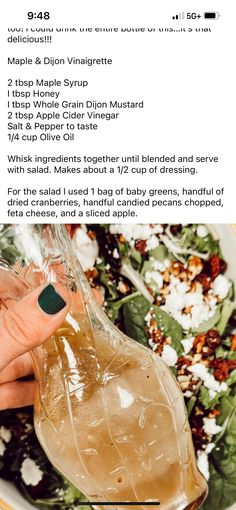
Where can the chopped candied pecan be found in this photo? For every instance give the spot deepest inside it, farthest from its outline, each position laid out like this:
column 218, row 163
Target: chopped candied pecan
column 194, row 260
column 195, row 266
column 183, row 276
column 185, row 385
column 215, row 266
column 187, row 310
column 199, row 342
column 195, row 286
column 206, row 343
column 176, row 268
column 151, row 291
column 165, row 290
column 166, row 276
column 159, row 300
column 182, row 361
column 199, row 411
column 222, row 368
column 152, row 324
column 123, row 287
column 197, row 358
column 233, row 343
column 157, row 336
column 205, row 281
column 176, row 229
column 141, row 246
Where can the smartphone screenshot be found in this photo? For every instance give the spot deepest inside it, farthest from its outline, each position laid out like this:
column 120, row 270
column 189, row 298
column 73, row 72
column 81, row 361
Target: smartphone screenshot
column 117, row 255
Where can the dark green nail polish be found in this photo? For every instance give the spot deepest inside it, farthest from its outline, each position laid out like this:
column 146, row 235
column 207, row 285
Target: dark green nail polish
column 50, row 301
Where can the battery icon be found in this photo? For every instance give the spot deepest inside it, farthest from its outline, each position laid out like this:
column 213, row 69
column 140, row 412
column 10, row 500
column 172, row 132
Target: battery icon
column 211, row 15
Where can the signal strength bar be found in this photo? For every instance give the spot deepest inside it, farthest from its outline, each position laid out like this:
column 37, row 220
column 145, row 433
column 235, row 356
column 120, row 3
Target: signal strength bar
column 181, row 15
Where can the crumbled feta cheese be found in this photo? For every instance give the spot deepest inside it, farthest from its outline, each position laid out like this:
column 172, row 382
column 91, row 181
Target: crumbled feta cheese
column 213, row 392
column 136, row 231
column 166, row 263
column 152, row 243
column 98, row 260
column 5, row 434
column 187, row 344
column 178, row 286
column 148, row 317
column 2, row 447
column 212, row 302
column 159, row 266
column 210, row 426
column 202, row 231
column 154, row 279
column 209, row 448
column 116, row 254
column 202, row 372
column 86, row 248
column 169, row 355
column 180, row 298
column 152, row 344
column 195, row 267
column 30, row 472
column 188, row 394
column 221, row 286
column 203, row 464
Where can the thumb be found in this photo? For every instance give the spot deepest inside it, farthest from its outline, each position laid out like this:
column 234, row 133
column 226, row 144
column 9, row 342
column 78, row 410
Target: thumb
column 32, row 320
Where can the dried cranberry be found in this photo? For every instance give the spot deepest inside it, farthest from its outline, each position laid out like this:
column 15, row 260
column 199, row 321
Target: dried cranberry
column 176, row 229
column 213, row 339
column 205, row 281
column 215, row 266
column 182, row 361
column 222, row 368
column 206, row 343
column 141, row 246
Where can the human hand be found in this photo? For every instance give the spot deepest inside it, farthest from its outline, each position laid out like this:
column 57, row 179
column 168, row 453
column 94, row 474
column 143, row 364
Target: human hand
column 25, row 325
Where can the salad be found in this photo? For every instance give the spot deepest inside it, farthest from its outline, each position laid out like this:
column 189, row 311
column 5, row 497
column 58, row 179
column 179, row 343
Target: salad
column 164, row 286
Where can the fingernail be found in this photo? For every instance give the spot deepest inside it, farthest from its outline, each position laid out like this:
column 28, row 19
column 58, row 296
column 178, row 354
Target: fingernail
column 50, row 301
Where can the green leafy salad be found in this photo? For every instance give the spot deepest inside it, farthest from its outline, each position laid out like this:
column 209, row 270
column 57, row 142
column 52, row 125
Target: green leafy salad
column 165, row 286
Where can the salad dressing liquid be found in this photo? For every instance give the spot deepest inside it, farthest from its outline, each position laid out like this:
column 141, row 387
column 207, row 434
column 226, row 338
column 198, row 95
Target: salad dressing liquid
column 111, row 418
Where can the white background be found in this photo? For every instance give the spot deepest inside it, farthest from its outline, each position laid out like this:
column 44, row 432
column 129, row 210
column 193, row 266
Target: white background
column 186, row 81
